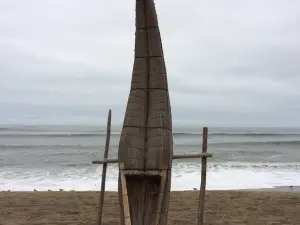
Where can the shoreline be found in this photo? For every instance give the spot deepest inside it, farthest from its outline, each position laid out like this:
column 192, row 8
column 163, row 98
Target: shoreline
column 287, row 189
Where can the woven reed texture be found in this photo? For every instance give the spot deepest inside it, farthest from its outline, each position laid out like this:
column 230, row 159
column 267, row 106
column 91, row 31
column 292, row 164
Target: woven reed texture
column 146, row 140
column 146, row 143
column 142, row 173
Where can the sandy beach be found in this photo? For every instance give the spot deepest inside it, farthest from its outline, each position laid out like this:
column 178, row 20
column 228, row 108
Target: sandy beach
column 80, row 208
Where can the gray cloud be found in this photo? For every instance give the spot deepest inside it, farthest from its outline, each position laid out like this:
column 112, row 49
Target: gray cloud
column 229, row 62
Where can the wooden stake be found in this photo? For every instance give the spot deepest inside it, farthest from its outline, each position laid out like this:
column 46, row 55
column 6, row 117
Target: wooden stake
column 163, row 181
column 203, row 178
column 108, row 129
column 126, row 212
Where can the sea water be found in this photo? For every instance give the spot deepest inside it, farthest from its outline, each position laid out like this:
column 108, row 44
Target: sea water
column 60, row 157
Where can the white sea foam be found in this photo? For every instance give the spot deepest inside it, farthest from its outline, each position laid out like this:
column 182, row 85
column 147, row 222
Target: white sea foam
column 185, row 176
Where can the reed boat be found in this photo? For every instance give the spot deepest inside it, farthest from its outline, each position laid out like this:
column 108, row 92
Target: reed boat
column 146, row 143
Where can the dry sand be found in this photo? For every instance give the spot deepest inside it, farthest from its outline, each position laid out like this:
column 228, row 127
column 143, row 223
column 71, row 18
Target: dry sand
column 222, row 207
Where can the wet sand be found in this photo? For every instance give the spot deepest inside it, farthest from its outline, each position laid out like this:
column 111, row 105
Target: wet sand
column 80, row 208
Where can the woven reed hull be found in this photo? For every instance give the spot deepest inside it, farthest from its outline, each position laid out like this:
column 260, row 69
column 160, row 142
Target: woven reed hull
column 143, row 195
column 146, row 143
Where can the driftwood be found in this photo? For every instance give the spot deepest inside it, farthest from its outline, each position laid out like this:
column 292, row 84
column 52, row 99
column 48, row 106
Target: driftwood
column 108, row 128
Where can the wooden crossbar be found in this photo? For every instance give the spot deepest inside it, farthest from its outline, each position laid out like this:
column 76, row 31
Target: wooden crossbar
column 179, row 156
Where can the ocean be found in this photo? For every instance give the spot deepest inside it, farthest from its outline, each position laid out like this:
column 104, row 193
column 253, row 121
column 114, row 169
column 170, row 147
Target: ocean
column 60, row 157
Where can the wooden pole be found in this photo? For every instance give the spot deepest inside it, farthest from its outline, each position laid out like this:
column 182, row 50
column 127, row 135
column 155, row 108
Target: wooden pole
column 203, row 178
column 108, row 129
column 161, row 194
column 125, row 201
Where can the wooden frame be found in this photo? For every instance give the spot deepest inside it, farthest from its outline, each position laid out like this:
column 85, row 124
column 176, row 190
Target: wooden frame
column 204, row 155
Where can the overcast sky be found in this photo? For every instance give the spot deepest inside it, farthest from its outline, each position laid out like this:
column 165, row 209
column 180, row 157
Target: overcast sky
column 229, row 62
